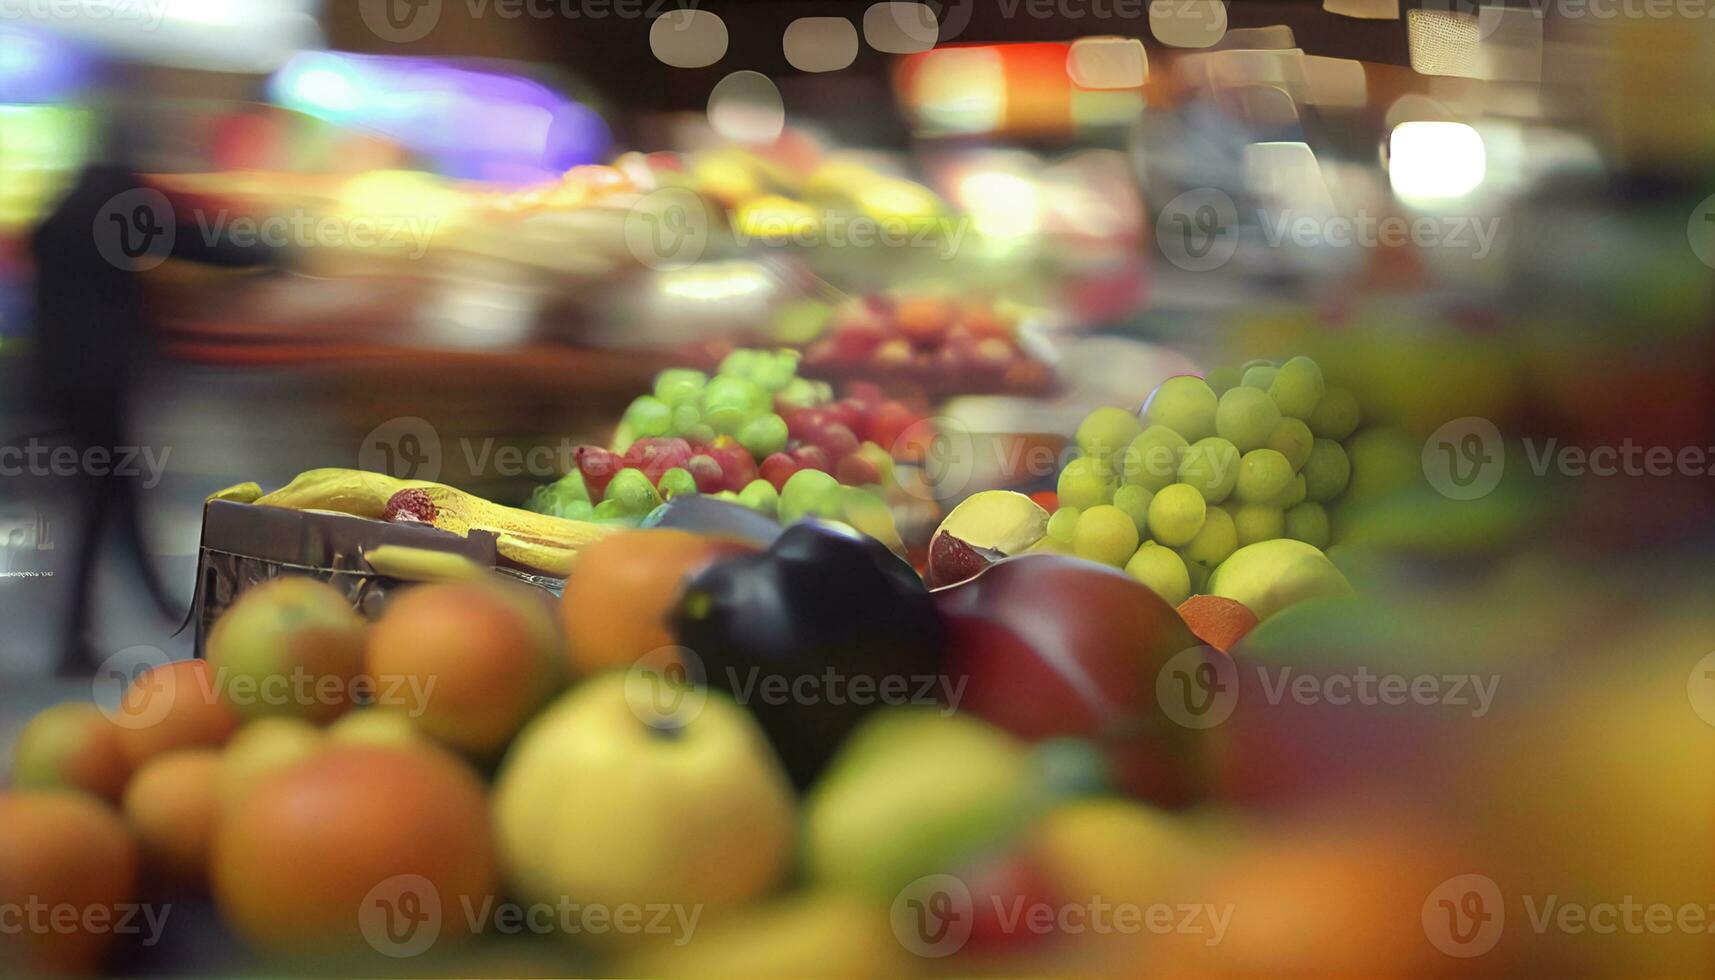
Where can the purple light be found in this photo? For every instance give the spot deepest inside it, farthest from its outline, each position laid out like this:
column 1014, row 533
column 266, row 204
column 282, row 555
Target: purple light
column 38, row 68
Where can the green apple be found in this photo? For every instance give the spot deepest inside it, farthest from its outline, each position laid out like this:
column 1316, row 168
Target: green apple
column 618, row 795
column 1269, row 576
column 914, row 791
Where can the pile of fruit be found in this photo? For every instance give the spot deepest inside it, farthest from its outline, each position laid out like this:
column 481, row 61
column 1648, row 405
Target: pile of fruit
column 926, row 339
column 755, row 434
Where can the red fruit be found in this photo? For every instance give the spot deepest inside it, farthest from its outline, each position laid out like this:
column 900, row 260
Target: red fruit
column 893, row 354
column 736, row 462
column 1048, row 500
column 804, row 423
column 598, row 467
column 924, row 319
column 812, row 458
column 656, row 456
column 994, row 354
column 983, row 321
column 855, row 470
column 823, row 351
column 410, row 506
column 854, row 341
column 865, row 393
column 887, row 422
column 778, row 468
column 708, row 473
column 999, row 889
column 836, row 440
column 849, row 413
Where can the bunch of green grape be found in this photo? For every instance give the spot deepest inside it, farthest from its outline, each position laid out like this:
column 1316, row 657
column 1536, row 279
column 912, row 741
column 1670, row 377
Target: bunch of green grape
column 1208, row 466
column 738, row 401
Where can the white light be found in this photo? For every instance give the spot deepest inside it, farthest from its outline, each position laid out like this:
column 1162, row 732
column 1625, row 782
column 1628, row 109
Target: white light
column 1435, row 160
column 1001, row 205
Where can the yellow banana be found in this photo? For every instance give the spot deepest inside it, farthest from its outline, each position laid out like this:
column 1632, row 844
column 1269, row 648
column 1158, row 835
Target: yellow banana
column 243, row 493
column 357, row 492
column 423, row 564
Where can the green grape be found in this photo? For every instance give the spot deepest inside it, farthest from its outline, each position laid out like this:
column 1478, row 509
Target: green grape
column 1152, row 459
column 740, row 363
column 649, row 416
column 1176, row 515
column 1308, row 523
column 701, row 432
column 1263, row 476
column 1258, row 522
column 1336, row 415
column 1105, row 434
column 1185, row 404
column 1292, row 439
column 685, row 418
column 1223, row 379
column 635, row 494
column 1162, row 570
column 1297, row 387
column 804, row 493
column 1063, row 523
column 798, row 393
column 1212, row 466
column 1255, row 362
column 570, row 487
column 1082, row 485
column 609, row 510
column 1105, row 534
column 728, row 403
column 1327, row 472
column 801, row 322
column 623, row 437
column 1294, row 493
column 1246, row 418
column 763, row 436
column 760, row 496
column 680, row 386
column 575, row 510
column 1217, row 539
column 1134, row 500
column 1259, row 375
column 677, row 482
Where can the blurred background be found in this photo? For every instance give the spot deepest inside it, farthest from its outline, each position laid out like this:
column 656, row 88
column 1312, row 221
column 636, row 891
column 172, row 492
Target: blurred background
column 240, row 239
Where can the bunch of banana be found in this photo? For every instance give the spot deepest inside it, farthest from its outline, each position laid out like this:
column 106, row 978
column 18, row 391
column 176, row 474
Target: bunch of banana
column 538, row 541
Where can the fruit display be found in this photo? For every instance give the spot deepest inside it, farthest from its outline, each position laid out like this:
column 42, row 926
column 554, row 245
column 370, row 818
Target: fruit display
column 755, row 434
column 1193, row 493
column 941, row 343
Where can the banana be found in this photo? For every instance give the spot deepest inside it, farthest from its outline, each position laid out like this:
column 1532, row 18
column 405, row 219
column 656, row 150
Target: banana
column 423, row 564
column 357, row 492
column 553, row 560
column 243, row 493
column 462, row 512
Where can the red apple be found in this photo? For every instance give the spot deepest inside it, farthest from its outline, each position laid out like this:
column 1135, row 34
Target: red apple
column 812, row 458
column 778, row 468
column 1046, row 645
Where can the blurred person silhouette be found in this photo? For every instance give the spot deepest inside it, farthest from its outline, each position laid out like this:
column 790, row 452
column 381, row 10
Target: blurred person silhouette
column 93, row 336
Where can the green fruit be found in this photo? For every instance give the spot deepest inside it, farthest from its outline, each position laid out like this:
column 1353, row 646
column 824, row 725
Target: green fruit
column 1271, row 575
column 1297, row 387
column 680, row 386
column 1259, row 376
column 1106, row 433
column 912, row 792
column 1336, row 415
column 632, row 491
column 1223, row 379
column 1293, row 495
column 1264, row 475
column 1199, row 576
column 1258, row 522
column 740, row 363
column 609, row 510
column 648, row 417
column 799, row 393
column 1246, row 418
column 686, row 417
column 1212, row 466
column 728, row 403
column 290, row 647
column 1105, row 534
column 1176, row 515
column 677, row 482
column 763, row 436
column 1134, row 500
column 1217, row 539
column 1152, row 459
column 1327, row 471
column 1186, row 404
column 1082, row 484
column 1292, row 439
column 1308, row 523
column 1064, row 524
column 805, row 492
column 1163, row 571
column 760, row 496
column 775, row 371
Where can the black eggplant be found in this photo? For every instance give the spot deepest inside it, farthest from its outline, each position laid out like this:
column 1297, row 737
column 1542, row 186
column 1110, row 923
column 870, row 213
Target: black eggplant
column 811, row 635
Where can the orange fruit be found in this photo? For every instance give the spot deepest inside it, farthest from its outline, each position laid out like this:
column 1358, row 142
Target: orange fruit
column 173, row 807
column 62, row 851
column 172, row 706
column 71, row 746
